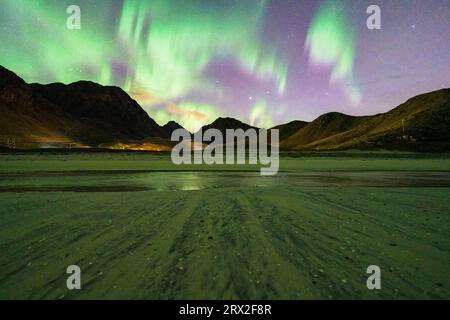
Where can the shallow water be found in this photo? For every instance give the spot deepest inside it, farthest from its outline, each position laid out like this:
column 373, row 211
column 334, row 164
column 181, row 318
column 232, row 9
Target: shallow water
column 132, row 181
column 308, row 233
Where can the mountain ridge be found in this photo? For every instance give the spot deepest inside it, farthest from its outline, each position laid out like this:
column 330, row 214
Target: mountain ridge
column 421, row 123
column 171, row 126
column 223, row 123
column 81, row 111
column 94, row 114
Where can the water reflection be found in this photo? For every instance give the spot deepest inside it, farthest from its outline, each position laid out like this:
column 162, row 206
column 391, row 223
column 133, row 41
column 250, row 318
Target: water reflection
column 189, row 181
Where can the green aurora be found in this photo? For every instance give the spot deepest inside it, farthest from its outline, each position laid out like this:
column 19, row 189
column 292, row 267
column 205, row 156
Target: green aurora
column 331, row 42
column 263, row 62
column 161, row 49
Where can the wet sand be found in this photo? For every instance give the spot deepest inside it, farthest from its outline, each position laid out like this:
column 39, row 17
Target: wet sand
column 154, row 234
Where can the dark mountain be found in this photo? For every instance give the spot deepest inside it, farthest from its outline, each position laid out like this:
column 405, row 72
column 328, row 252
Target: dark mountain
column 222, row 124
column 24, row 114
column 288, row 129
column 89, row 113
column 82, row 111
column 422, row 123
column 327, row 125
column 170, row 127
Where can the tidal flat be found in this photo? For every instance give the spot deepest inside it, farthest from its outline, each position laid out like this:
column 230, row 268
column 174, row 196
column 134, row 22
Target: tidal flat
column 142, row 228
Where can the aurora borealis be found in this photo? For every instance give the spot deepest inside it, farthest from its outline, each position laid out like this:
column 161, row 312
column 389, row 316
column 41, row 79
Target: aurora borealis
column 263, row 62
column 330, row 42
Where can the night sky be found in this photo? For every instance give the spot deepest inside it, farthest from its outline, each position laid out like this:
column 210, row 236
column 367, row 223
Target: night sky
column 263, row 62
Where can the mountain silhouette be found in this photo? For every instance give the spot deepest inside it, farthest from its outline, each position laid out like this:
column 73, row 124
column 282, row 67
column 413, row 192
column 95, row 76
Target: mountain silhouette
column 422, row 123
column 170, row 127
column 92, row 114
column 222, row 124
column 82, row 111
column 288, row 129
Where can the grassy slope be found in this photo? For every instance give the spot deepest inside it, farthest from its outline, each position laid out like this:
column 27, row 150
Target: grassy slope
column 425, row 118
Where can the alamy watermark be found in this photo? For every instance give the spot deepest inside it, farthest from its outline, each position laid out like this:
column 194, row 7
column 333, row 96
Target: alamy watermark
column 238, row 146
column 74, row 20
column 374, row 20
column 74, row 280
column 374, row 280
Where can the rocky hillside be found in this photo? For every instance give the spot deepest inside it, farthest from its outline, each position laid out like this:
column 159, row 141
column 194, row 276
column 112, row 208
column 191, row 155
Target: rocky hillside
column 422, row 123
column 83, row 111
